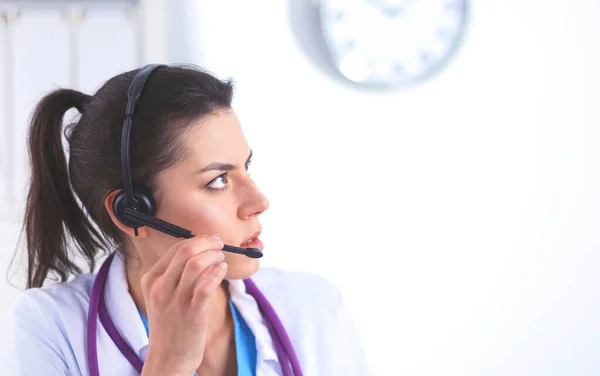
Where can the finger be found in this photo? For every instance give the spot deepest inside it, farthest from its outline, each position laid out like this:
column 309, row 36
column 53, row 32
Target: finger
column 163, row 263
column 172, row 275
column 196, row 268
column 207, row 285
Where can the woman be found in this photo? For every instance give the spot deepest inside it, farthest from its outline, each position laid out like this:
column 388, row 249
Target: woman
column 160, row 305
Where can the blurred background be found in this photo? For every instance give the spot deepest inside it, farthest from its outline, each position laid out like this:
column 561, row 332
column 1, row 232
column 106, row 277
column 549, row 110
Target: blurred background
column 438, row 160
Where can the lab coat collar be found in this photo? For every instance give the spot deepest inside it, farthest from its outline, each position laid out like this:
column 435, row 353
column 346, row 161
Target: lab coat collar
column 248, row 308
column 124, row 313
column 122, row 308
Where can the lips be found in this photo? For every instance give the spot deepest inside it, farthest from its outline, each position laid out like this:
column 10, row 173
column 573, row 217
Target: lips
column 252, row 241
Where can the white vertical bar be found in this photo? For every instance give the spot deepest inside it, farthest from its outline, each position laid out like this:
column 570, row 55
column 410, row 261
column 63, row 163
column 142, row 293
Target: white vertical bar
column 107, row 46
column 3, row 127
column 10, row 18
column 74, row 17
column 135, row 20
column 153, row 23
column 41, row 63
column 4, row 185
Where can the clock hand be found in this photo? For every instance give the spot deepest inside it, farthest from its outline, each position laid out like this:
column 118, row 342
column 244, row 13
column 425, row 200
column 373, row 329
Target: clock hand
column 391, row 9
column 392, row 12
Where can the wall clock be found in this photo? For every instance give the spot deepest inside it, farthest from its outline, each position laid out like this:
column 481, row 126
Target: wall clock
column 384, row 43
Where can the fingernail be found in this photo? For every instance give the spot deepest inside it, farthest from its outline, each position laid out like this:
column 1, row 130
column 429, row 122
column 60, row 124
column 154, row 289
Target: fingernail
column 223, row 265
column 222, row 254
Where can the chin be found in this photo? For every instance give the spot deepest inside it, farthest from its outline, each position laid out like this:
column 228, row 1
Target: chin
column 241, row 267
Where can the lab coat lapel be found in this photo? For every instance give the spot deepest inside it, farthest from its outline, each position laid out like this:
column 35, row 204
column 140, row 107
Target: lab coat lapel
column 268, row 364
column 122, row 308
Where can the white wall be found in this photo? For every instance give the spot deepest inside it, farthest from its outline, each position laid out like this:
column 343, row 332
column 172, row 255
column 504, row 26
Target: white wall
column 80, row 56
column 459, row 216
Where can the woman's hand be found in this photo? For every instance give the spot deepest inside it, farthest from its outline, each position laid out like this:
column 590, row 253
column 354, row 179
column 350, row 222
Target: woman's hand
column 177, row 291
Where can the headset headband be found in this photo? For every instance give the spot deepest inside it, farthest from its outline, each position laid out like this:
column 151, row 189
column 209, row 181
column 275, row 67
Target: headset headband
column 133, row 94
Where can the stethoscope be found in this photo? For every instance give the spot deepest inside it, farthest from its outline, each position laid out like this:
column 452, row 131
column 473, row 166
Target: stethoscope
column 283, row 346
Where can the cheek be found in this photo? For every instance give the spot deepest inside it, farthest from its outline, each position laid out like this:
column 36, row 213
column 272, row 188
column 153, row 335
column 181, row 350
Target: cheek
column 201, row 215
column 209, row 219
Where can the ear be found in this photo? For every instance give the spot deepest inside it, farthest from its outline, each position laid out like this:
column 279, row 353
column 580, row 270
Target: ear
column 108, row 204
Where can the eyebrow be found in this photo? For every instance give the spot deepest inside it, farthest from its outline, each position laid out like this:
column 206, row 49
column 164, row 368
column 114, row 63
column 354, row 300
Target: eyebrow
column 216, row 166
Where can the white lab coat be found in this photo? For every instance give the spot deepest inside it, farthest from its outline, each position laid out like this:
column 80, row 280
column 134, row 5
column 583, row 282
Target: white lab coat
column 43, row 333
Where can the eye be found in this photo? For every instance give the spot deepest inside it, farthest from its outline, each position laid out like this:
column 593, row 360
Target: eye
column 219, row 183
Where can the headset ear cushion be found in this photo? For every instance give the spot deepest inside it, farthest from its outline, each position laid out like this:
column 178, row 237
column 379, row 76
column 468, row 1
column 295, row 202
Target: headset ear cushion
column 145, row 203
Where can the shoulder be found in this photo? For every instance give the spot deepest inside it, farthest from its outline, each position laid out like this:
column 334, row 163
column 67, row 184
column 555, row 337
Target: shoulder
column 297, row 284
column 301, row 296
column 41, row 324
column 313, row 311
column 51, row 307
column 56, row 299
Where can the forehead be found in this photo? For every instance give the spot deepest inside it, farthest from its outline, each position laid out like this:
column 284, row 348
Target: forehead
column 216, row 138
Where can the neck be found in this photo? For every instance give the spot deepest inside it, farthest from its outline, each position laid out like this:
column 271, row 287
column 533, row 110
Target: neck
column 220, row 317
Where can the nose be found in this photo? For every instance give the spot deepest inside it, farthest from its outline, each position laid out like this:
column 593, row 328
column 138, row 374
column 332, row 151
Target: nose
column 254, row 203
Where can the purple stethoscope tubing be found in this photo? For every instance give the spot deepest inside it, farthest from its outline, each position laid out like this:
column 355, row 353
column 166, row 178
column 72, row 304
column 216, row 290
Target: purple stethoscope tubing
column 283, row 345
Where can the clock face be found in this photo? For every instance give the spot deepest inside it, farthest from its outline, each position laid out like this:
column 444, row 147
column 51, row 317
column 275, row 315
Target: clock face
column 390, row 42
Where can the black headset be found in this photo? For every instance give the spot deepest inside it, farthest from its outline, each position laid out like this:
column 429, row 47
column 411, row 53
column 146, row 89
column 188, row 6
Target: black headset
column 134, row 206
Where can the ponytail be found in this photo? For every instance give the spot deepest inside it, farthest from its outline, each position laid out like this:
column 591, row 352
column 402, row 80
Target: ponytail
column 53, row 218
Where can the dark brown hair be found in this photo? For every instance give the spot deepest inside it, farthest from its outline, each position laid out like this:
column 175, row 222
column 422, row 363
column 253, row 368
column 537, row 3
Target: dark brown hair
column 65, row 212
